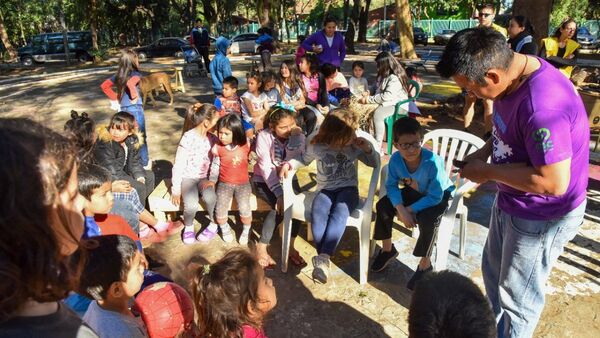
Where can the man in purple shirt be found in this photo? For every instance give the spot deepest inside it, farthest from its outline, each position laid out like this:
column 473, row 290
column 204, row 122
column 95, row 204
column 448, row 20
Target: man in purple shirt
column 539, row 150
column 327, row 44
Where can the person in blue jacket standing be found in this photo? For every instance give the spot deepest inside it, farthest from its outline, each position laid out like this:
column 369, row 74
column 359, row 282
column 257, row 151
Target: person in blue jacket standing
column 220, row 67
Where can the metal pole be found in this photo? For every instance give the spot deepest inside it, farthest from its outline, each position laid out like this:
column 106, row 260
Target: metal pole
column 384, row 17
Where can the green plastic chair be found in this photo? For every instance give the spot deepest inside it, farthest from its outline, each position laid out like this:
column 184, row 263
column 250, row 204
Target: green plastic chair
column 399, row 112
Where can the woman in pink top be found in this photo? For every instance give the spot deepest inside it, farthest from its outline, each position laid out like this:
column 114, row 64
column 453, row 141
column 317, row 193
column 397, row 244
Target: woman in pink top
column 314, row 84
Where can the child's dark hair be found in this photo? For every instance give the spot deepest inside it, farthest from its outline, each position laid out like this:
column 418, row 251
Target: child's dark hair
column 128, row 62
column 313, row 61
column 275, row 114
column 122, row 120
column 387, row 65
column 406, row 126
column 411, row 72
column 234, row 123
column 328, row 69
column 447, row 304
column 198, row 113
column 267, row 76
column 91, row 177
column 338, row 128
column 231, row 81
column 301, row 38
column 108, row 260
column 256, row 76
column 82, row 131
column 358, row 64
column 36, row 166
column 224, row 292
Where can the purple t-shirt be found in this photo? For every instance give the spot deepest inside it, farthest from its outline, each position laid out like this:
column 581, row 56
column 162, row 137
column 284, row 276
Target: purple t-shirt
column 541, row 123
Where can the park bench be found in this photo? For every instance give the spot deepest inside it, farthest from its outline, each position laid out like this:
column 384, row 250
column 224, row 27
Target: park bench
column 160, row 203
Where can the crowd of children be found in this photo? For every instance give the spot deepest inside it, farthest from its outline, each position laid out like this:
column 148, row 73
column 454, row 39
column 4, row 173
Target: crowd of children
column 287, row 120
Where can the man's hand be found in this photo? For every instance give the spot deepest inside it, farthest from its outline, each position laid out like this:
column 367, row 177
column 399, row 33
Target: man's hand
column 121, row 186
column 176, row 199
column 476, row 170
column 405, row 216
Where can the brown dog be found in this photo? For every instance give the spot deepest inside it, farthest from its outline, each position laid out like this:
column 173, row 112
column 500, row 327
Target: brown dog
column 156, row 81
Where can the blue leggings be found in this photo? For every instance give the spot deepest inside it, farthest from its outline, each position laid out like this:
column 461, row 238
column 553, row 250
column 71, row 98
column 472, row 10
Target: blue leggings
column 330, row 212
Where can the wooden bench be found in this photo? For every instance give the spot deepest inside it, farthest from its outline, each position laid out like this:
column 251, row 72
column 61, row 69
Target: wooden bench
column 160, row 202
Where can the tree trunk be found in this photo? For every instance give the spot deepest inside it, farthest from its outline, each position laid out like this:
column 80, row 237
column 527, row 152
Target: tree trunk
column 346, row 13
column 61, row 14
column 404, row 27
column 94, row 23
column 538, row 12
column 363, row 22
column 351, row 33
column 262, row 10
column 12, row 52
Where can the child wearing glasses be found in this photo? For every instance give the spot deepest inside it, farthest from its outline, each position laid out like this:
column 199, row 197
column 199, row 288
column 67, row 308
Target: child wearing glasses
column 418, row 190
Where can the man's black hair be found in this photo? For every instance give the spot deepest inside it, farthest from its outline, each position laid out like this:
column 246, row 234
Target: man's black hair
column 447, row 304
column 232, row 81
column 406, row 126
column 91, row 177
column 108, row 260
column 473, row 52
column 328, row 69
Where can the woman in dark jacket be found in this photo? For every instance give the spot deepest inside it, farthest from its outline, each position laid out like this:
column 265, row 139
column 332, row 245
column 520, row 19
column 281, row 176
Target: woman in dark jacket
column 520, row 32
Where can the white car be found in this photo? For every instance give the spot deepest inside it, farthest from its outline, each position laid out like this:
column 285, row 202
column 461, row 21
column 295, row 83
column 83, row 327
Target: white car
column 244, row 43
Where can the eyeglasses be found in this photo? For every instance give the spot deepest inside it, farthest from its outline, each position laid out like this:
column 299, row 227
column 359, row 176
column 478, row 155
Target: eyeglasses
column 485, row 15
column 406, row 146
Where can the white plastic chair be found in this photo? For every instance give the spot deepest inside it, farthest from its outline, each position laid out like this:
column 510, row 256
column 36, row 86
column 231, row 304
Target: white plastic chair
column 298, row 206
column 449, row 144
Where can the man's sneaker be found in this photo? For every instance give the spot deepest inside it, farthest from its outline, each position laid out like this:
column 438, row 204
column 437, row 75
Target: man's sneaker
column 320, row 268
column 383, row 259
column 416, row 277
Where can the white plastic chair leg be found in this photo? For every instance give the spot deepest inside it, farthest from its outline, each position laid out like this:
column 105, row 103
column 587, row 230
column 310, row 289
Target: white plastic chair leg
column 443, row 243
column 309, row 233
column 286, row 238
column 364, row 255
column 463, row 235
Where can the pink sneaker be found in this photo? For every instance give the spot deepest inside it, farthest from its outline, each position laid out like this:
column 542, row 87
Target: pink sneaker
column 189, row 237
column 169, row 228
column 206, row 235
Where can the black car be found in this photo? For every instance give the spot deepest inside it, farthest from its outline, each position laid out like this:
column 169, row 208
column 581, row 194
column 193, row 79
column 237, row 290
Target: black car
column 444, row 36
column 420, row 36
column 162, row 47
column 50, row 47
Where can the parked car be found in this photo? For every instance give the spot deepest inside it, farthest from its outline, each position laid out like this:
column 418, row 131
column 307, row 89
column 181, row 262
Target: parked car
column 443, row 37
column 161, row 47
column 586, row 39
column 244, row 43
column 420, row 36
column 50, row 47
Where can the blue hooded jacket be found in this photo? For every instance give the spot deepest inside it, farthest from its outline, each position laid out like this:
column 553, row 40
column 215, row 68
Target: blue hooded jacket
column 220, row 67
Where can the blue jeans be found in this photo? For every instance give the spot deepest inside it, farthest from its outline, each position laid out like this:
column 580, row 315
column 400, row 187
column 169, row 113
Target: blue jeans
column 517, row 259
column 126, row 210
column 330, row 211
column 138, row 113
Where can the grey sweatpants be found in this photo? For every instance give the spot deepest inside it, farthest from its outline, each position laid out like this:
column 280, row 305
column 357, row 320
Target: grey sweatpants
column 190, row 191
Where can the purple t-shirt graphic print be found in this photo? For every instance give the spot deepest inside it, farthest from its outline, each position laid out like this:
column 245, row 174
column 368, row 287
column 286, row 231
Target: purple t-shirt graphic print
column 543, row 122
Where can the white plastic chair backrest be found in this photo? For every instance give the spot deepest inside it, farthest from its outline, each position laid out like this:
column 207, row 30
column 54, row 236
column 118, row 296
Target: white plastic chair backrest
column 376, row 170
column 451, row 144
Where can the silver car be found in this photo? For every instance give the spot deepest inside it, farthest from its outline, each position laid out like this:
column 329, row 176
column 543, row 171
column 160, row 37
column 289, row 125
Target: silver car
column 586, row 39
column 244, row 43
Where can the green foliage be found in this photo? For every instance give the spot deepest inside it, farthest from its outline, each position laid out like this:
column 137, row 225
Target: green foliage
column 317, row 14
column 574, row 9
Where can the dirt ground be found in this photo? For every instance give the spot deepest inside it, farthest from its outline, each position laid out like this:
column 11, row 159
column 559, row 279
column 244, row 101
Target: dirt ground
column 342, row 308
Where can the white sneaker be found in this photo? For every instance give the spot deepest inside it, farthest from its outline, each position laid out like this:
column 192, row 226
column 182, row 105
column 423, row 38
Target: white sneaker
column 320, row 268
column 244, row 238
column 228, row 236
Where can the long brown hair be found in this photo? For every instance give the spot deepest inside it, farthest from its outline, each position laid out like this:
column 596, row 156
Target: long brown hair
column 294, row 81
column 36, row 165
column 128, row 62
column 338, row 128
column 387, row 65
column 196, row 114
column 222, row 293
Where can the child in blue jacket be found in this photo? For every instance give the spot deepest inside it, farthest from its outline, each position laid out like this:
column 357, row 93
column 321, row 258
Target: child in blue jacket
column 220, row 67
column 418, row 191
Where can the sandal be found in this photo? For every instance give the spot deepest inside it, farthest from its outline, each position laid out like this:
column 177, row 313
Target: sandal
column 296, row 259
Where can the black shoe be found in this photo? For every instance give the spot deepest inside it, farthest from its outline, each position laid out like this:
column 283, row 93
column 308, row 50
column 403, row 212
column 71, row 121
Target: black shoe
column 417, row 277
column 383, row 259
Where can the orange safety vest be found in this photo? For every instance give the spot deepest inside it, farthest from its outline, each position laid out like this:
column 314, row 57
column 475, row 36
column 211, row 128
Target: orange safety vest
column 551, row 45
